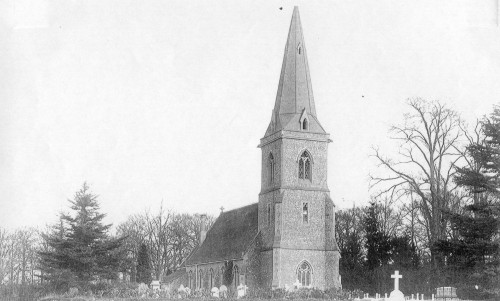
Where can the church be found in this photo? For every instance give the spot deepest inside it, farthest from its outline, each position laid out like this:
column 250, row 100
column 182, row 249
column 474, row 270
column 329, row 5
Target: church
column 288, row 237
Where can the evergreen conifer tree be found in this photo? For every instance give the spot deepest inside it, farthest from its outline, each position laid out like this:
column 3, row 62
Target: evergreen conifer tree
column 378, row 247
column 80, row 247
column 143, row 266
column 473, row 255
column 404, row 253
column 351, row 263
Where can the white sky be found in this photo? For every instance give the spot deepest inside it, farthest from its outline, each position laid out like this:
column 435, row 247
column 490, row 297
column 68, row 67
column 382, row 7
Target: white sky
column 152, row 100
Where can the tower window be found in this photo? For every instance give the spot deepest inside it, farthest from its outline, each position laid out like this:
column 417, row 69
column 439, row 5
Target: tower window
column 304, row 273
column 268, row 214
column 305, row 213
column 305, row 125
column 305, row 166
column 272, row 165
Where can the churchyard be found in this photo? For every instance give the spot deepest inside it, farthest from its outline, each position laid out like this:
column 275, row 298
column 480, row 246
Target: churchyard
column 155, row 291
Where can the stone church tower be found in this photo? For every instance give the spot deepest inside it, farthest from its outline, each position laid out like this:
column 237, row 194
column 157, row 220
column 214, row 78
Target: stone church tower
column 296, row 215
column 289, row 235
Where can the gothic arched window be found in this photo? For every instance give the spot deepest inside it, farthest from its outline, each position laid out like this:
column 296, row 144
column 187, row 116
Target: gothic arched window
column 305, row 124
column 236, row 273
column 272, row 165
column 190, row 280
column 304, row 272
column 305, row 166
column 211, row 278
column 200, row 279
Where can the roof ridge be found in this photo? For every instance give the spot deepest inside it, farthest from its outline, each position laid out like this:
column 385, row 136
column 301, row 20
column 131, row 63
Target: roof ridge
column 256, row 203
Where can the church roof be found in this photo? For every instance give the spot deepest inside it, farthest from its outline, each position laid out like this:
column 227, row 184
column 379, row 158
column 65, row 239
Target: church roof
column 229, row 237
column 295, row 93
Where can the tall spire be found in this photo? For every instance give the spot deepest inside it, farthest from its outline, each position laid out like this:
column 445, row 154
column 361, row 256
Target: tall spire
column 295, row 90
column 295, row 95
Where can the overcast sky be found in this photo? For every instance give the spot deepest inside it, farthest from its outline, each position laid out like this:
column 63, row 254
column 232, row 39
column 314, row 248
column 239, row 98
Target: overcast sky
column 167, row 100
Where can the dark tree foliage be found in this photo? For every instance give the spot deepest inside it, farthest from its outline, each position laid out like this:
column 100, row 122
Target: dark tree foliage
column 228, row 273
column 143, row 266
column 404, row 254
column 351, row 265
column 80, row 248
column 378, row 250
column 349, row 233
column 472, row 256
column 378, row 247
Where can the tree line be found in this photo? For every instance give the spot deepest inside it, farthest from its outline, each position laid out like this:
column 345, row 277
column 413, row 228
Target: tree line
column 434, row 212
column 80, row 250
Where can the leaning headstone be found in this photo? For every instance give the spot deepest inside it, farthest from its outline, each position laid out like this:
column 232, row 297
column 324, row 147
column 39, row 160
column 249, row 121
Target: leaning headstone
column 242, row 290
column 215, row 292
column 223, row 291
column 396, row 294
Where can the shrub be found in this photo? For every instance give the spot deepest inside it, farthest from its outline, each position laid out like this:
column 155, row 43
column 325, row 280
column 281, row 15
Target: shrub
column 303, row 293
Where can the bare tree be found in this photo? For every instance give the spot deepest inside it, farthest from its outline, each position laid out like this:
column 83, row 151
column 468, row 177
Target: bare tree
column 4, row 254
column 158, row 240
column 349, row 222
column 170, row 238
column 424, row 166
column 134, row 231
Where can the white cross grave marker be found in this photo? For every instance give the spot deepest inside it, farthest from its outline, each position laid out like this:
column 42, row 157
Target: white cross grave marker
column 396, row 294
column 396, row 277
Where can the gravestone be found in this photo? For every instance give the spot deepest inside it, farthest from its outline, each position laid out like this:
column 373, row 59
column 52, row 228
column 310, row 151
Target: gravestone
column 446, row 293
column 215, row 292
column 242, row 290
column 297, row 284
column 155, row 285
column 223, row 291
column 396, row 294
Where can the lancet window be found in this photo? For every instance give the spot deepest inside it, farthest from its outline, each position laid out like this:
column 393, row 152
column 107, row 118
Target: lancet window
column 211, row 278
column 305, row 166
column 272, row 165
column 236, row 273
column 305, row 212
column 190, row 280
column 200, row 279
column 268, row 214
column 305, row 124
